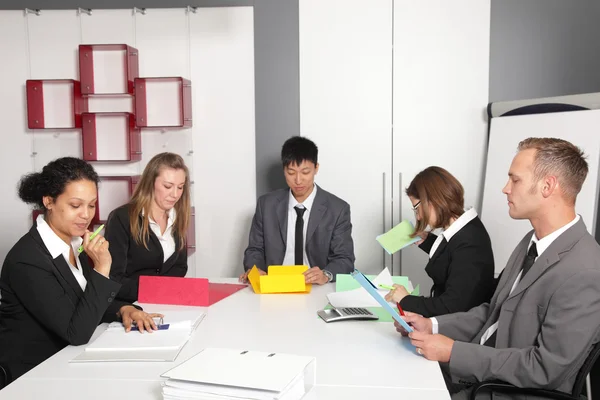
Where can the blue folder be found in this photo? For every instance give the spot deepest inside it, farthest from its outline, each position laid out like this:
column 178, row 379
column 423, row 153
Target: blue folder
column 372, row 290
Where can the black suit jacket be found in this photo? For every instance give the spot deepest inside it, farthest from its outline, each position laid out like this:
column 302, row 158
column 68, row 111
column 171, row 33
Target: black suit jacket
column 462, row 271
column 43, row 308
column 131, row 260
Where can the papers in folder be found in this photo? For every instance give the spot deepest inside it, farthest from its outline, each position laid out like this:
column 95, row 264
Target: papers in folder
column 370, row 288
column 359, row 297
column 398, row 237
column 240, row 374
column 115, row 344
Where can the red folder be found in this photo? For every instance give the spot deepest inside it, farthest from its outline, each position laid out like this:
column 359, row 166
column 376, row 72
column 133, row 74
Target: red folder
column 218, row 291
column 183, row 291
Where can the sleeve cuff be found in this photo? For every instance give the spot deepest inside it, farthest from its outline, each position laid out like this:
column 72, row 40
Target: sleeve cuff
column 434, row 326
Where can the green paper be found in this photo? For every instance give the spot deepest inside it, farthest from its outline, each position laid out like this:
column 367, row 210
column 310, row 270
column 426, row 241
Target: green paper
column 398, row 237
column 416, row 291
column 345, row 282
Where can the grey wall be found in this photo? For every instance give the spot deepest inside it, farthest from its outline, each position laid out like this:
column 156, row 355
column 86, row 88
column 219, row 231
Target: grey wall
column 276, row 56
column 541, row 48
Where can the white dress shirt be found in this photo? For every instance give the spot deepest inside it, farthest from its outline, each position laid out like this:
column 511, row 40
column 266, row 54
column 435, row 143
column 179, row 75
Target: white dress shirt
column 289, row 258
column 56, row 246
column 453, row 229
column 541, row 245
column 166, row 239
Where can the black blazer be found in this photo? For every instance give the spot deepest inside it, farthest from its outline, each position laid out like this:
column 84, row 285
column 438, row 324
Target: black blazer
column 462, row 271
column 130, row 260
column 43, row 308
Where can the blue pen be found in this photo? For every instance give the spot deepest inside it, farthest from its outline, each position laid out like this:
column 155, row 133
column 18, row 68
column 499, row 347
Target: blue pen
column 162, row 327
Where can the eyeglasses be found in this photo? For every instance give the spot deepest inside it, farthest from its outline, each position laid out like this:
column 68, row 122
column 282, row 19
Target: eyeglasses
column 416, row 206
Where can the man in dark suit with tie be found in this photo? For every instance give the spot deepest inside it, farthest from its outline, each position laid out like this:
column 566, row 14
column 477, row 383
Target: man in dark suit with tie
column 302, row 225
column 543, row 319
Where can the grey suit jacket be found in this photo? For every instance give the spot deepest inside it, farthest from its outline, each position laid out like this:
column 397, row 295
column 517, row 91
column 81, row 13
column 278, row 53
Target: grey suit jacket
column 328, row 236
column 547, row 325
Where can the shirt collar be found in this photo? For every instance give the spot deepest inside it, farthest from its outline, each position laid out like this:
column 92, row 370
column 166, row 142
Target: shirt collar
column 170, row 217
column 460, row 223
column 306, row 203
column 53, row 243
column 544, row 243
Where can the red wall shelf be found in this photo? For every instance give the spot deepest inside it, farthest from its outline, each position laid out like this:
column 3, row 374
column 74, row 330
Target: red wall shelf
column 111, row 137
column 107, row 69
column 163, row 102
column 54, row 104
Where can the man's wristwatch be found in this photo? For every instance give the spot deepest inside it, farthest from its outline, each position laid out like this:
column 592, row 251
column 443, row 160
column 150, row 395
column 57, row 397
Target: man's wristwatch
column 329, row 275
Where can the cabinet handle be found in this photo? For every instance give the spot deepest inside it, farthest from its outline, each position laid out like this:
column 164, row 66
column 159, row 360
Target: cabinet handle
column 399, row 218
column 383, row 221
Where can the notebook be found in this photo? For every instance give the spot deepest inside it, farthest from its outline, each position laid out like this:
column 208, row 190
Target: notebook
column 115, row 344
column 217, row 373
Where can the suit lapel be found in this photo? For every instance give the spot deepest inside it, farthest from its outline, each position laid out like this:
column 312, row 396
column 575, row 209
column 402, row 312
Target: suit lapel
column 316, row 214
column 441, row 248
column 65, row 271
column 510, row 276
column 551, row 256
column 282, row 215
column 59, row 263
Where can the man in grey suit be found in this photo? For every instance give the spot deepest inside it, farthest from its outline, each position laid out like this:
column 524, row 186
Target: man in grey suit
column 302, row 225
column 544, row 317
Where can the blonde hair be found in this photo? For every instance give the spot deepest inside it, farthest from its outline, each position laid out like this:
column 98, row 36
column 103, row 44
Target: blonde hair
column 142, row 199
column 561, row 158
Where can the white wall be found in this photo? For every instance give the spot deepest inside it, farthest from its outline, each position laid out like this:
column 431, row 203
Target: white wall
column 213, row 48
column 224, row 150
column 15, row 152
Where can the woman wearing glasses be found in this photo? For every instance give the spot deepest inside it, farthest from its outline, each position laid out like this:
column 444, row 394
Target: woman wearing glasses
column 461, row 262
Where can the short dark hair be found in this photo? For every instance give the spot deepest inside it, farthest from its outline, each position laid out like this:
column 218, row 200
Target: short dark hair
column 297, row 149
column 439, row 188
column 53, row 179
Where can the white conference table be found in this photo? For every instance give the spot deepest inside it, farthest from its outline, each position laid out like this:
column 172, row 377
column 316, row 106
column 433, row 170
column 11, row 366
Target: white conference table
column 356, row 359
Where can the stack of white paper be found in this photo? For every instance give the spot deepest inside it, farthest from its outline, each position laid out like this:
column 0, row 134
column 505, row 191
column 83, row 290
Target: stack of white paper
column 162, row 345
column 360, row 297
column 240, row 374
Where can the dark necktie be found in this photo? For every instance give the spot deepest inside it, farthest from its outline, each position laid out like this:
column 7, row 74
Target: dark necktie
column 527, row 263
column 299, row 238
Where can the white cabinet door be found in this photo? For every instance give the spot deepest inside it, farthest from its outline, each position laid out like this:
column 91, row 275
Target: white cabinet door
column 222, row 65
column 346, row 108
column 441, row 66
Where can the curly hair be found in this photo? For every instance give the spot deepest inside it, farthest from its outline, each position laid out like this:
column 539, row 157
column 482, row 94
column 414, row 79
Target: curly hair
column 53, row 179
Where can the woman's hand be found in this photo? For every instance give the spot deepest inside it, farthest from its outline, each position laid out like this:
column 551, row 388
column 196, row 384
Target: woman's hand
column 397, row 294
column 143, row 320
column 97, row 250
column 423, row 235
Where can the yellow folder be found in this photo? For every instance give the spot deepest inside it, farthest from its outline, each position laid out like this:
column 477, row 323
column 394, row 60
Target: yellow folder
column 279, row 279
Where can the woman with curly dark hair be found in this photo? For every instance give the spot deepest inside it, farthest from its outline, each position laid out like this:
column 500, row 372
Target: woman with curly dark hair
column 50, row 296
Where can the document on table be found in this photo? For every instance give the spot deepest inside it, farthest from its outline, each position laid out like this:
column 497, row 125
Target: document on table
column 115, row 344
column 371, row 289
column 360, row 297
column 217, row 373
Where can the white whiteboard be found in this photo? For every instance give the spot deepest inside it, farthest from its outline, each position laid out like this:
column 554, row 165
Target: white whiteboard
column 581, row 128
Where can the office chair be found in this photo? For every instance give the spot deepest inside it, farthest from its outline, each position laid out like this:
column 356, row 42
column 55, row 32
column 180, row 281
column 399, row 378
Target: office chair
column 576, row 393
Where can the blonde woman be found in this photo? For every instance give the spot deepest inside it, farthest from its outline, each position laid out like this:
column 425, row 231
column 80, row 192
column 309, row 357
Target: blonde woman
column 147, row 235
